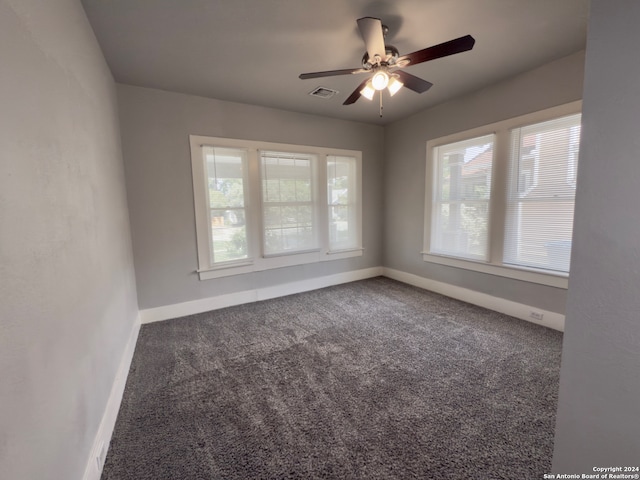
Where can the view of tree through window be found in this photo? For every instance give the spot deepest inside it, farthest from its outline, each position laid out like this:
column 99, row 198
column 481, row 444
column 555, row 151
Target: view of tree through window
column 225, row 181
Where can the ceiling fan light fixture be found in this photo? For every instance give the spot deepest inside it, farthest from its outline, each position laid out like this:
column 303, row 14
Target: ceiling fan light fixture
column 394, row 85
column 381, row 61
column 380, row 80
column 368, row 91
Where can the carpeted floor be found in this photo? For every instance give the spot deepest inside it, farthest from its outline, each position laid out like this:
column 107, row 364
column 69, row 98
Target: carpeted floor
column 368, row 380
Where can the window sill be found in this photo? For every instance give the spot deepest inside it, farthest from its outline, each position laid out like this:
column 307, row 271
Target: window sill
column 281, row 261
column 542, row 277
column 226, row 271
column 344, row 253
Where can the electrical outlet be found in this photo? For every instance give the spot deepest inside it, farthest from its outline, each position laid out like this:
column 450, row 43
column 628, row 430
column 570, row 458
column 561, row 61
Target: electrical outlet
column 536, row 315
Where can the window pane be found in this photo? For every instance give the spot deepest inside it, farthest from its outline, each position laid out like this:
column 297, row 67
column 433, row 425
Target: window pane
column 462, row 186
column 340, row 228
column 289, row 210
column 461, row 229
column 228, row 235
column 273, row 240
column 342, row 197
column 226, row 169
column 303, row 190
column 539, row 224
column 287, row 190
column 225, row 176
column 304, row 216
column 271, row 192
column 272, row 217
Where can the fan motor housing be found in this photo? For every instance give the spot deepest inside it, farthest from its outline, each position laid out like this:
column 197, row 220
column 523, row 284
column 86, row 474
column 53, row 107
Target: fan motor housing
column 392, row 55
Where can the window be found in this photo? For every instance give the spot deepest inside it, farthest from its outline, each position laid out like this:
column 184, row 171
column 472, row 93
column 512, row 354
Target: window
column 226, row 168
column 289, row 209
column 262, row 205
column 502, row 196
column 539, row 220
column 461, row 203
column 343, row 200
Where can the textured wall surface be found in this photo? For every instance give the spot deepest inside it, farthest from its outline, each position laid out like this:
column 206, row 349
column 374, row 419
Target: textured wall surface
column 598, row 421
column 552, row 84
column 67, row 286
column 155, row 129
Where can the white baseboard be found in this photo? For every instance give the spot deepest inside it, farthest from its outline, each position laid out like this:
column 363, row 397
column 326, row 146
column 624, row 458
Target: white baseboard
column 247, row 296
column 519, row 310
column 548, row 319
column 100, row 446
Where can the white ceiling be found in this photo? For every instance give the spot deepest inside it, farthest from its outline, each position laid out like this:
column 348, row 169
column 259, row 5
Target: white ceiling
column 252, row 51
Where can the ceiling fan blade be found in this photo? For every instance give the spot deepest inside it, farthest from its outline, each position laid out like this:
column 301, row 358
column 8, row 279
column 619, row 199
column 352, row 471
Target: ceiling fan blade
column 353, row 98
column 412, row 82
column 332, row 73
column 371, row 31
column 445, row 49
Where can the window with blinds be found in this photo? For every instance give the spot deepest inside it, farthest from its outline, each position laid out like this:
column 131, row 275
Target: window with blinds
column 462, row 190
column 226, row 182
column 500, row 198
column 289, row 207
column 264, row 205
column 343, row 203
column 541, row 192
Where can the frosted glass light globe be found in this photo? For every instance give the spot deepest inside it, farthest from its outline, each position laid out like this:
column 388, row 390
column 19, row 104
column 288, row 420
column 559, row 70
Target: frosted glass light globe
column 380, row 80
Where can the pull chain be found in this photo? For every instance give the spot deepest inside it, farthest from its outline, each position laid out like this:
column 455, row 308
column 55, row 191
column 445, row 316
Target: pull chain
column 380, row 103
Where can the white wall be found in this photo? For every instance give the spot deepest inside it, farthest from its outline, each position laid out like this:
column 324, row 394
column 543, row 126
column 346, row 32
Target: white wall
column 155, row 129
column 598, row 421
column 552, row 84
column 67, row 287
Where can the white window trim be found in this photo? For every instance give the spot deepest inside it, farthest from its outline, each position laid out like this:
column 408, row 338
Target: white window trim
column 257, row 261
column 498, row 201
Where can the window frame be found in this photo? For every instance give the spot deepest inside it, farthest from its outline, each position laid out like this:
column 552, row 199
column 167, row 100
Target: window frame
column 498, row 199
column 257, row 260
column 353, row 204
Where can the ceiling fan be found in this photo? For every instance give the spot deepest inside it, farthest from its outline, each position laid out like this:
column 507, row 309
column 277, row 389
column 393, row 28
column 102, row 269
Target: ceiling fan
column 385, row 63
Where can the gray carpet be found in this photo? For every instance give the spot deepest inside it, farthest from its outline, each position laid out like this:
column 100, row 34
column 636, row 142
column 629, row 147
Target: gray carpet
column 369, row 380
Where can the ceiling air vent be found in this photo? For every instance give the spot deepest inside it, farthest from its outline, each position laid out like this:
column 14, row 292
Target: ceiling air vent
column 323, row 92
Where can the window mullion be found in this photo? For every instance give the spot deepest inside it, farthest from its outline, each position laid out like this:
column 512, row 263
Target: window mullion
column 323, row 202
column 254, row 206
column 499, row 193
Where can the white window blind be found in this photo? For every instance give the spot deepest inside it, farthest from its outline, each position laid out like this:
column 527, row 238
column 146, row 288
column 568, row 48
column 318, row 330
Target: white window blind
column 288, row 201
column 543, row 167
column 461, row 198
column 225, row 176
column 342, row 198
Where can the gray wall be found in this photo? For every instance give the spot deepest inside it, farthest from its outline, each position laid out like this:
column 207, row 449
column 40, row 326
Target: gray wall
column 155, row 128
column 405, row 153
column 67, row 287
column 599, row 408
